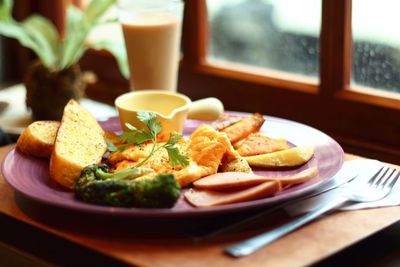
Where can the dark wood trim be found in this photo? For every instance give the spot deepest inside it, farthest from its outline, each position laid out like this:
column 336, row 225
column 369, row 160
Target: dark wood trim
column 385, row 99
column 262, row 76
column 55, row 11
column 195, row 33
column 335, row 46
column 22, row 56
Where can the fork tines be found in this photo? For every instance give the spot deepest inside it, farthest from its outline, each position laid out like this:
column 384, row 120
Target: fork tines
column 380, row 180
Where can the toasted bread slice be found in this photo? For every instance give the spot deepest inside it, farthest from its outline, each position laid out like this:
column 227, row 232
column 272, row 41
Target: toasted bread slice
column 79, row 142
column 38, row 138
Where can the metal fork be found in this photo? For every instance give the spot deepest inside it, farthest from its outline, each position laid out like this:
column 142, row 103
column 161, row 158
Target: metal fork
column 376, row 188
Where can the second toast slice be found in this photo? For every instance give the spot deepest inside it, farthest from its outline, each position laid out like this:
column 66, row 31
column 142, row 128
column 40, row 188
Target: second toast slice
column 38, row 138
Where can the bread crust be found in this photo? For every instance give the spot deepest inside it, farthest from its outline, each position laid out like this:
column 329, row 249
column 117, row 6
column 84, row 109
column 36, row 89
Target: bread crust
column 38, row 138
column 79, row 142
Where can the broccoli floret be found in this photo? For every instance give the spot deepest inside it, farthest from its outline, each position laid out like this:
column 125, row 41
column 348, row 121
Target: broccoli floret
column 160, row 192
column 98, row 186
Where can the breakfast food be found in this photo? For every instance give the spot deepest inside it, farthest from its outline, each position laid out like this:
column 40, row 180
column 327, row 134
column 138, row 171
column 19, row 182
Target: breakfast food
column 244, row 127
column 38, row 138
column 237, row 165
column 141, row 170
column 207, row 198
column 257, row 143
column 79, row 143
column 291, row 157
column 240, row 180
column 206, row 149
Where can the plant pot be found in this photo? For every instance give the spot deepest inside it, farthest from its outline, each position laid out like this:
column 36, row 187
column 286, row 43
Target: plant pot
column 48, row 91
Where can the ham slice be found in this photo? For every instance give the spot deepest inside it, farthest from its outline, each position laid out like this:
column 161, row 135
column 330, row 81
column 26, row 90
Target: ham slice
column 207, row 198
column 240, row 180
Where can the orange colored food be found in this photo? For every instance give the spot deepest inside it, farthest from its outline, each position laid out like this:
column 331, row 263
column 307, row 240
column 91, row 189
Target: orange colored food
column 207, row 150
column 224, row 122
column 112, row 138
column 256, row 144
column 244, row 127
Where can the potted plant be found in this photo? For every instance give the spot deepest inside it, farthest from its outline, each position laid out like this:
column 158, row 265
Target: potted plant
column 55, row 77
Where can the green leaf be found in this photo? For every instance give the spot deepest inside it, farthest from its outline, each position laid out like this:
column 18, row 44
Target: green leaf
column 130, row 127
column 150, row 120
column 45, row 35
column 110, row 146
column 35, row 33
column 39, row 35
column 146, row 117
column 77, row 30
column 142, row 137
column 122, row 148
column 117, row 49
column 173, row 139
column 155, row 127
column 6, row 7
column 175, row 157
column 96, row 9
column 13, row 30
column 138, row 137
column 79, row 25
column 128, row 137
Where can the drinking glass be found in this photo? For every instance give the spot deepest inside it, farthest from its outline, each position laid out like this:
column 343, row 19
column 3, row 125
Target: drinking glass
column 152, row 32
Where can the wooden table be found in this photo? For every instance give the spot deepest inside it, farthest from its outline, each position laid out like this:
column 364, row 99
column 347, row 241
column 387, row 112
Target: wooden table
column 168, row 243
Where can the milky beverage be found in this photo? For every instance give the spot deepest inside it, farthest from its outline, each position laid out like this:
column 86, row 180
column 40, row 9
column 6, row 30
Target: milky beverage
column 153, row 45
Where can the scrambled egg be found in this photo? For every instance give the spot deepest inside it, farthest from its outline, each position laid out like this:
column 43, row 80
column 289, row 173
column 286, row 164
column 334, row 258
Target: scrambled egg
column 207, row 150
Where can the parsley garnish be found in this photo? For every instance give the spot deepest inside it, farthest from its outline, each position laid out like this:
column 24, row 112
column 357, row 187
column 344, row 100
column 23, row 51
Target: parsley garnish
column 139, row 136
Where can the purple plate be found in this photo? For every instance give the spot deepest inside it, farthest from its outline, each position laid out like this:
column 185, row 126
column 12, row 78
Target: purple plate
column 30, row 176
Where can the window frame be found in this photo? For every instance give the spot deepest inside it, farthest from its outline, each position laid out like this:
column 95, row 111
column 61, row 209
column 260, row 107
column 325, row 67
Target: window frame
column 362, row 121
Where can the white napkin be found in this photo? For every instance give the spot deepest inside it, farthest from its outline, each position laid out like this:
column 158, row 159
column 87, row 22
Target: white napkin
column 365, row 168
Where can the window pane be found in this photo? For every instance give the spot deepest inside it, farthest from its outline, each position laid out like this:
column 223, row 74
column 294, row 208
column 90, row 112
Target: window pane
column 376, row 44
column 276, row 34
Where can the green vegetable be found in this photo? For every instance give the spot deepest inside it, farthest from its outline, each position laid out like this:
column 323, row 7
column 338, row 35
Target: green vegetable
column 138, row 136
column 130, row 173
column 41, row 36
column 96, row 185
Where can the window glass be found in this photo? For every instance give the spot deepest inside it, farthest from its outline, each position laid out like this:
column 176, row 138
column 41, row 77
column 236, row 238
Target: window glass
column 276, row 34
column 376, row 44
